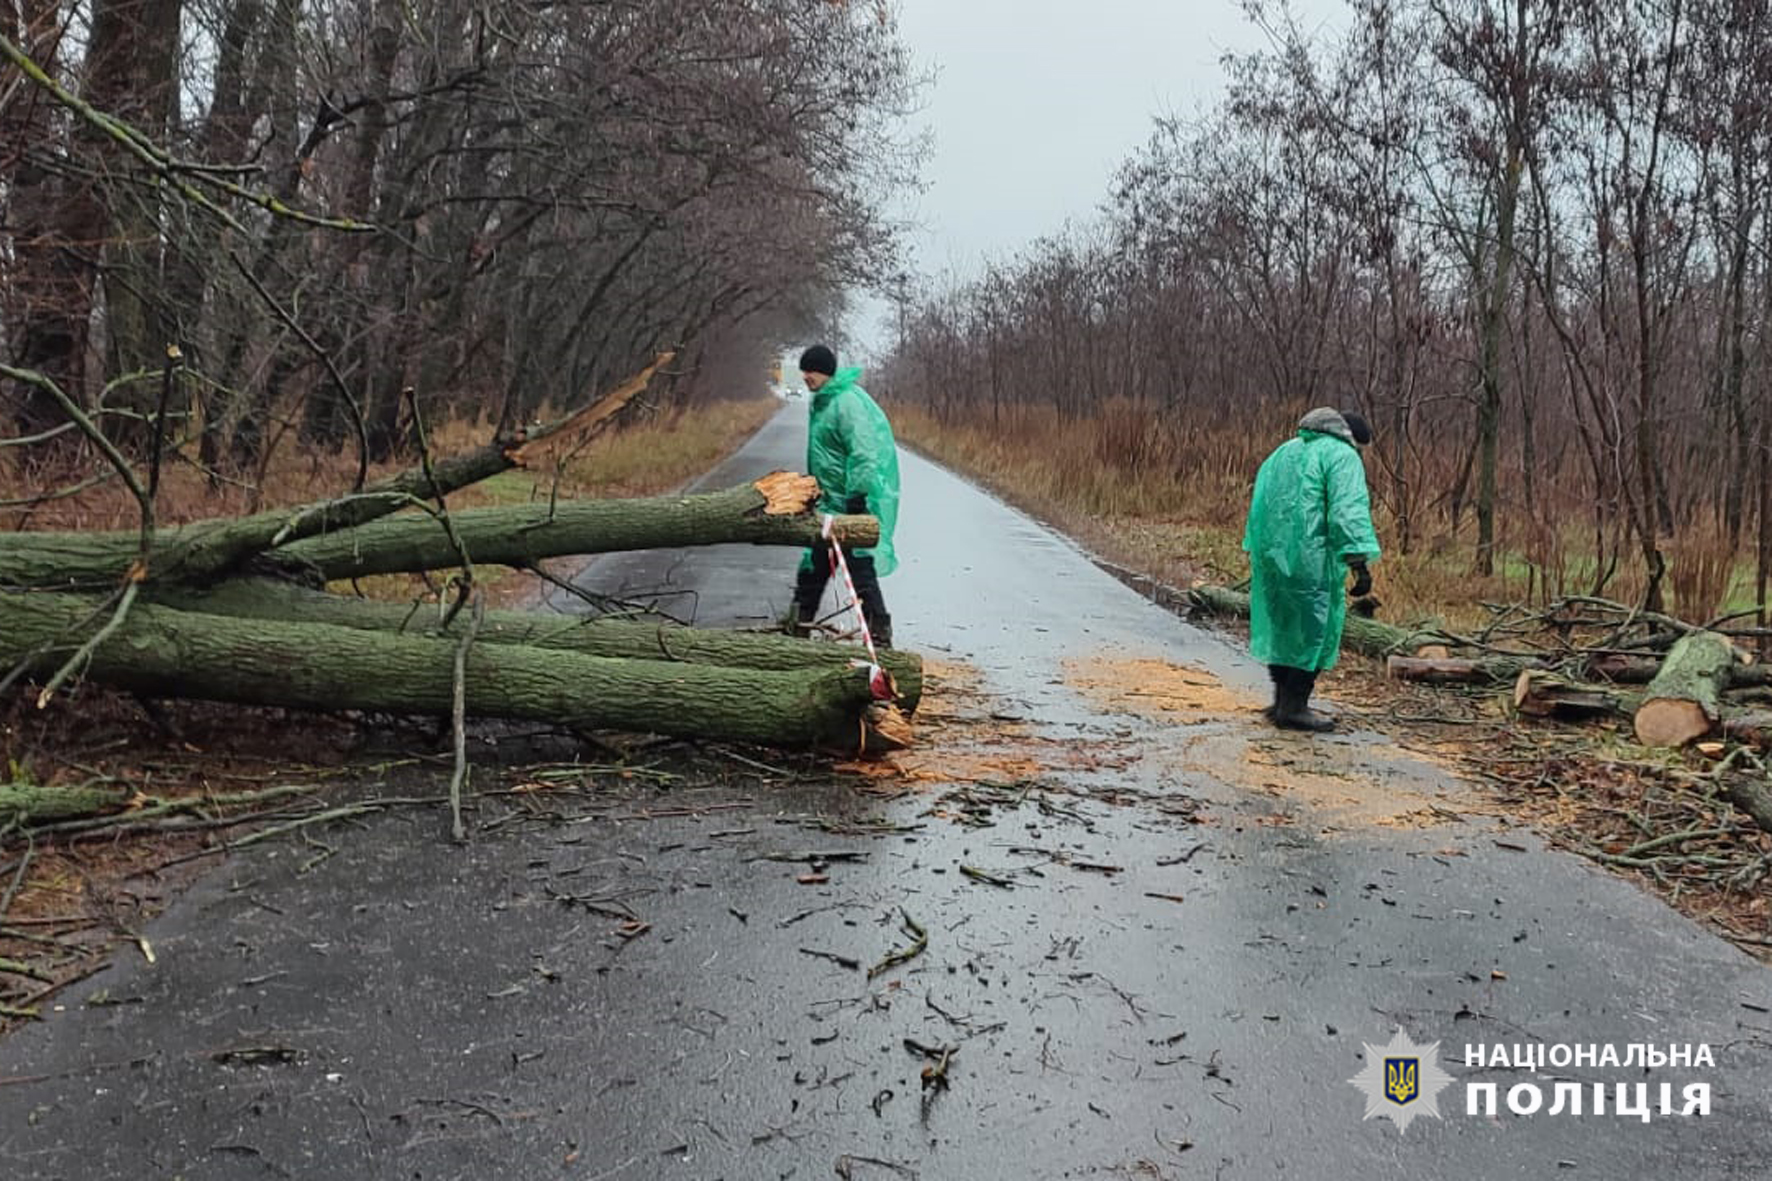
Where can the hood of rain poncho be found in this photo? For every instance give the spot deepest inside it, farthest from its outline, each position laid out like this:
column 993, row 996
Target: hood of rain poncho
column 1311, row 512
column 1328, row 422
column 850, row 451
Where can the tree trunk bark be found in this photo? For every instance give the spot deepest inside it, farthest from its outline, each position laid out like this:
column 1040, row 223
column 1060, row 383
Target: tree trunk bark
column 1454, row 671
column 1367, row 636
column 1753, row 728
column 520, row 535
column 1640, row 670
column 630, row 639
column 164, row 652
column 1684, row 701
column 770, row 512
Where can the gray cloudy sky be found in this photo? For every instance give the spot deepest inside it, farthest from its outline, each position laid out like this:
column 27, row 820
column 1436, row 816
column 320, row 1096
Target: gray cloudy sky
column 1037, row 101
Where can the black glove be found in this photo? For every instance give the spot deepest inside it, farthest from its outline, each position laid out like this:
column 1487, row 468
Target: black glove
column 857, row 505
column 1362, row 578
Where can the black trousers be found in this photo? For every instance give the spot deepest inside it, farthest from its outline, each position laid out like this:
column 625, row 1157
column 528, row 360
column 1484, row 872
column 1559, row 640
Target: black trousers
column 809, row 586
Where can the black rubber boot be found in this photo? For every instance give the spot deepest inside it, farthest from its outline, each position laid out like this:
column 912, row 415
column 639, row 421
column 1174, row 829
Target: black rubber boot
column 879, row 627
column 1276, row 673
column 808, row 594
column 1292, row 709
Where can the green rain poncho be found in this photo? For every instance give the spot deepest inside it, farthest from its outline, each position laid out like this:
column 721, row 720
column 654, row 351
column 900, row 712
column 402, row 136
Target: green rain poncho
column 1309, row 514
column 850, row 451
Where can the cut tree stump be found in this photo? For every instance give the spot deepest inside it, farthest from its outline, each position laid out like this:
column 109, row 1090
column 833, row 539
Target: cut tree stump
column 164, row 652
column 632, row 639
column 1541, row 695
column 775, row 510
column 1684, row 701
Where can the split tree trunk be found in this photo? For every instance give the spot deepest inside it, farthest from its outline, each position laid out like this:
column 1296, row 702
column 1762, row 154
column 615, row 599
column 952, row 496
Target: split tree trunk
column 169, row 653
column 632, row 639
column 1684, row 701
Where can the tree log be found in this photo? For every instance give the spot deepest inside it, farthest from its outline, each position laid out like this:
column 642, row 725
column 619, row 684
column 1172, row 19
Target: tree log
column 631, row 639
column 1684, row 701
column 33, row 803
column 1368, row 636
column 1640, row 670
column 1752, row 797
column 164, row 652
column 1539, row 694
column 1752, row 727
column 772, row 511
column 1451, row 671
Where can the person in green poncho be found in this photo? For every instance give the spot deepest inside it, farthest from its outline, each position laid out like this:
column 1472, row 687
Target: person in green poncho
column 850, row 451
column 1310, row 526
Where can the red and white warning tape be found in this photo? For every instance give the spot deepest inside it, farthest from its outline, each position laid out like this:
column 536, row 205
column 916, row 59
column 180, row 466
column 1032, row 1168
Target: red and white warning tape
column 878, row 682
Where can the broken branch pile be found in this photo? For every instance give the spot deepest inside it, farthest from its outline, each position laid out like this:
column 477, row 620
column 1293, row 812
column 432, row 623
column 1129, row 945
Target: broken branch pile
column 234, row 610
column 1580, row 658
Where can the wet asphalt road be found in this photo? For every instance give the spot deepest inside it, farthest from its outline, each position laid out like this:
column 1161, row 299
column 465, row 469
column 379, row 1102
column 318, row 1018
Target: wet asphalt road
column 403, row 1008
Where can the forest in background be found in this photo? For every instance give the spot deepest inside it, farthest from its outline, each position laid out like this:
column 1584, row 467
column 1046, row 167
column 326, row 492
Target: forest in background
column 229, row 227
column 1529, row 239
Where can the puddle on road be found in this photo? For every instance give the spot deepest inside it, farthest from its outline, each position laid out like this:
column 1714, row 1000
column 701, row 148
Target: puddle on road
column 1215, row 734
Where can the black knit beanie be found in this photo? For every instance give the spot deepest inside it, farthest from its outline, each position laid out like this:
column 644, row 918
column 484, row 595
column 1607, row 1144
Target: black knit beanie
column 818, row 359
column 1358, row 427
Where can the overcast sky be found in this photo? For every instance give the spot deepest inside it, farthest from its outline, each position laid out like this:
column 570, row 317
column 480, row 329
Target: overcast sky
column 1036, row 102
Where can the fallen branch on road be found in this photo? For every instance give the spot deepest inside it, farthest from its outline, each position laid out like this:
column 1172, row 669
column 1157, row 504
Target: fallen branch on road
column 919, row 944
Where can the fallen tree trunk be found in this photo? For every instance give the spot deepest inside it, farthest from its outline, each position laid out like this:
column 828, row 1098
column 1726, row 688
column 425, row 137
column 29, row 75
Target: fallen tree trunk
column 1640, row 670
column 772, row 511
column 165, row 652
column 630, row 639
column 1752, row 728
column 1446, row 670
column 203, row 551
column 1684, row 701
column 1368, row 636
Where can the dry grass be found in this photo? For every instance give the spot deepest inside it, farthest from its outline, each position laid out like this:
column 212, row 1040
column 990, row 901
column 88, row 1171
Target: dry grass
column 650, row 454
column 1170, row 502
column 646, row 457
column 1701, row 568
